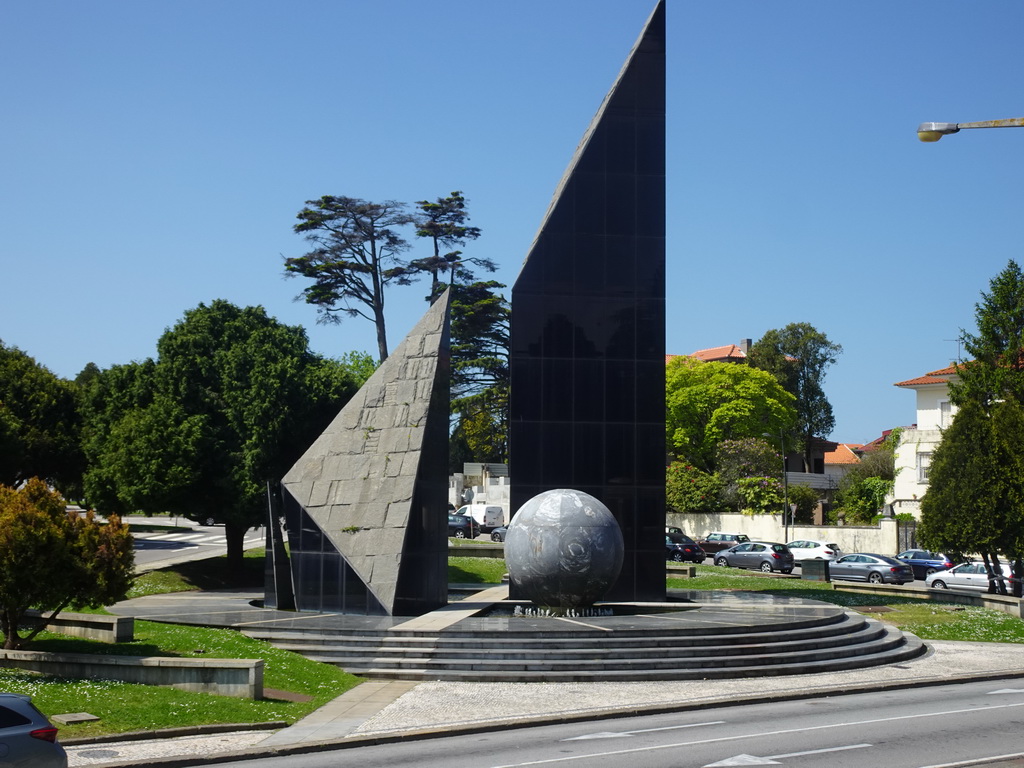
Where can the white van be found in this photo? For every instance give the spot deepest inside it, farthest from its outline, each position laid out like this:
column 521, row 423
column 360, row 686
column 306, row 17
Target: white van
column 487, row 516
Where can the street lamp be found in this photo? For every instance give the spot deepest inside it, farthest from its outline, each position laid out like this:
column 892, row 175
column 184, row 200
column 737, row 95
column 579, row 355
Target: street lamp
column 930, row 132
column 785, row 484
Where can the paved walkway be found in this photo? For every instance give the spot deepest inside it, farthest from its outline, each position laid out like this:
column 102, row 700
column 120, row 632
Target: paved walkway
column 400, row 709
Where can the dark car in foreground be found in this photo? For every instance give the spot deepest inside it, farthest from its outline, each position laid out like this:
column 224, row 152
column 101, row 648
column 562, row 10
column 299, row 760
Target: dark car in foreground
column 767, row 556
column 681, row 548
column 925, row 563
column 867, row 566
column 26, row 737
column 463, row 527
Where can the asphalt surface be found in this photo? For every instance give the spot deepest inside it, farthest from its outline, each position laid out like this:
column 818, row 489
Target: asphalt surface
column 398, row 710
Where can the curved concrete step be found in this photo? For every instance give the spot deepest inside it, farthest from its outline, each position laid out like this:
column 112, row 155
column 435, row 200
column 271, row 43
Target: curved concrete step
column 339, row 652
column 841, row 641
column 906, row 649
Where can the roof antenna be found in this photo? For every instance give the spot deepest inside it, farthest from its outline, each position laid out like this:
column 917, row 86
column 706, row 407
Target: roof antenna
column 959, row 342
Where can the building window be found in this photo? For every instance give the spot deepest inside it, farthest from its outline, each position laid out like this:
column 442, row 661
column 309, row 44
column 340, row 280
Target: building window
column 924, row 461
column 945, row 414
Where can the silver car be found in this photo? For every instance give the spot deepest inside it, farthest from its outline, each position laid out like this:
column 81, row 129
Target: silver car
column 971, row 576
column 867, row 566
column 765, row 556
column 26, row 736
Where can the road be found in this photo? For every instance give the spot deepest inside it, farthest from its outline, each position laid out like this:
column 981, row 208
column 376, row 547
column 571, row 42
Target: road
column 950, row 726
column 191, row 541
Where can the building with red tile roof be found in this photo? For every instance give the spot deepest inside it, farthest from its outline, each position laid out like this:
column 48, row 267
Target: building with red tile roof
column 917, row 443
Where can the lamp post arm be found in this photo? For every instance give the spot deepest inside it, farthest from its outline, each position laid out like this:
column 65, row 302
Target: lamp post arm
column 1010, row 122
column 930, row 132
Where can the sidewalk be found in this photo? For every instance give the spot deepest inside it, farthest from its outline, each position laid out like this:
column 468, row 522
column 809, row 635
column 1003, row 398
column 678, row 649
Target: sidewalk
column 392, row 710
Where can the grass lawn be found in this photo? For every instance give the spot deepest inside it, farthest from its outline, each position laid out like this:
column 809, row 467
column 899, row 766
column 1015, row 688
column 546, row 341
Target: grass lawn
column 929, row 620
column 129, row 707
column 476, row 570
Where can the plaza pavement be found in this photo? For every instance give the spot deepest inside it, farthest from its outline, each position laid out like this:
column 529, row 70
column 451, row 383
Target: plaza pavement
column 383, row 710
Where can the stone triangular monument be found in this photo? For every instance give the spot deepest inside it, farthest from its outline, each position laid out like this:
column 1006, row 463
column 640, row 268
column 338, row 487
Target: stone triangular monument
column 366, row 506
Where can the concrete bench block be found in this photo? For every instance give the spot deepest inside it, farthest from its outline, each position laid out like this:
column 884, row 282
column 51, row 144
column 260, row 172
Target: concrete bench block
column 242, row 678
column 91, row 626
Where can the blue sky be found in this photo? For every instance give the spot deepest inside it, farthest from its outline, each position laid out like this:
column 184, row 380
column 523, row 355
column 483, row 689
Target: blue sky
column 155, row 156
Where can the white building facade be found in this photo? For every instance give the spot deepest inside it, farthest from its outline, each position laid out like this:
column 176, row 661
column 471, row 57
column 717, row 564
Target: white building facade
column 914, row 453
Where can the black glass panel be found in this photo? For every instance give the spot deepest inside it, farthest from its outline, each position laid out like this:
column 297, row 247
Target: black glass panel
column 588, row 326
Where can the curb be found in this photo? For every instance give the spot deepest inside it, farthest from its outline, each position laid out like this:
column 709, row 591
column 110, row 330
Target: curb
column 174, row 733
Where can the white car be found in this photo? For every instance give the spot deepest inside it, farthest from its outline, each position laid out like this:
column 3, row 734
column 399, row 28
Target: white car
column 811, row 549
column 972, row 576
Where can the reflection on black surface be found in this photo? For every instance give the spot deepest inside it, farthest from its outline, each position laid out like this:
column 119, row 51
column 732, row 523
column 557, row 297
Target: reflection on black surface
column 588, row 326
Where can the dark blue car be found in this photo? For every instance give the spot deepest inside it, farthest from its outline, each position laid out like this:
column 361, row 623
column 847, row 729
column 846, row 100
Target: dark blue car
column 924, row 562
column 680, row 548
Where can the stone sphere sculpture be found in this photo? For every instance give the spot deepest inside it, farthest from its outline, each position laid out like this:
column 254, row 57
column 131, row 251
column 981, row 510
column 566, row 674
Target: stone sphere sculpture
column 563, row 549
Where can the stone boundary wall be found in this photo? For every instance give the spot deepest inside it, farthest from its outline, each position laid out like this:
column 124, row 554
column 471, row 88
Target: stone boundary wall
column 881, row 539
column 91, row 626
column 242, row 678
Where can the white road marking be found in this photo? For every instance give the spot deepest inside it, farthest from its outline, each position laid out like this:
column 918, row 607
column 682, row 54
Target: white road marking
column 742, row 760
column 975, row 761
column 676, row 745
column 620, row 734
column 774, row 759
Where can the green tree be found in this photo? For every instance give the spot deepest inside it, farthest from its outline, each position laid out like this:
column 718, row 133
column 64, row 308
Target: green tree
column 976, row 481
column 798, row 356
column 863, row 489
column 480, row 373
column 109, row 398
column 444, row 223
column 231, row 403
column 806, row 500
column 860, row 502
column 359, row 366
column 962, row 511
column 477, row 437
column 708, row 403
column 995, row 370
column 738, row 459
column 39, row 424
column 760, row 495
column 691, row 490
column 51, row 558
column 356, row 253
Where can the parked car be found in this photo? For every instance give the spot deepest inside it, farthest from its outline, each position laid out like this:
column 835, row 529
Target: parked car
column 717, row 541
column 681, row 548
column 765, row 556
column 487, row 516
column 498, row 534
column 26, row 736
column 462, row 527
column 867, row 566
column 972, row 576
column 924, row 562
column 672, row 529
column 812, row 549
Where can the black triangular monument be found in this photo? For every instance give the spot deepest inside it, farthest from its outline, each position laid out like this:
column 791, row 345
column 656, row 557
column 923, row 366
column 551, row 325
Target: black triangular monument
column 588, row 324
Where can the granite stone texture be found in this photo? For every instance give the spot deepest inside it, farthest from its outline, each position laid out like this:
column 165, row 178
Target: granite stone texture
column 563, row 549
column 366, row 506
